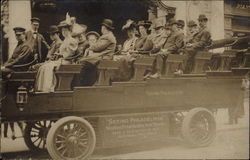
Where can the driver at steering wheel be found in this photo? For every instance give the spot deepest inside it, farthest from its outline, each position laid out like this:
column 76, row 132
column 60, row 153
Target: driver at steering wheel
column 22, row 54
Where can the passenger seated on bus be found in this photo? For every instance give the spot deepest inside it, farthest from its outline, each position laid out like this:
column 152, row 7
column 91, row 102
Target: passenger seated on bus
column 88, row 74
column 54, row 34
column 160, row 37
column 199, row 41
column 127, row 53
column 22, row 54
column 53, row 52
column 181, row 25
column 144, row 44
column 191, row 31
column 105, row 46
column 79, row 34
column 128, row 47
column 172, row 45
column 92, row 38
column 45, row 79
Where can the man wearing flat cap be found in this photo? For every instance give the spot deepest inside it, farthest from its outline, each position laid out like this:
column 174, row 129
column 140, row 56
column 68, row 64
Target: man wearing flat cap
column 105, row 46
column 36, row 40
column 22, row 54
column 191, row 31
column 181, row 25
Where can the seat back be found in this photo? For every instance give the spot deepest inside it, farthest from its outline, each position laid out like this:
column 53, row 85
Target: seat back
column 174, row 62
column 201, row 63
column 142, row 65
column 65, row 75
column 106, row 68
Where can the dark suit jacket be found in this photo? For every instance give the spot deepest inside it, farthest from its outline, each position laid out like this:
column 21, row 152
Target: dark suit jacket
column 22, row 55
column 36, row 45
column 105, row 46
column 174, row 42
column 201, row 39
column 143, row 44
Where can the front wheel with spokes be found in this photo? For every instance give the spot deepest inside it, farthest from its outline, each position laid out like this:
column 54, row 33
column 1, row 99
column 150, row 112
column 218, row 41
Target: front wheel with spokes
column 71, row 138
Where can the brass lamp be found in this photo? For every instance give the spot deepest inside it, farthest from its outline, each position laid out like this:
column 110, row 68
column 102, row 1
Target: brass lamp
column 21, row 97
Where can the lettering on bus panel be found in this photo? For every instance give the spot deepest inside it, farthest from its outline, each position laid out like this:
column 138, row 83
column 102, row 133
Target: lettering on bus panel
column 164, row 93
column 128, row 130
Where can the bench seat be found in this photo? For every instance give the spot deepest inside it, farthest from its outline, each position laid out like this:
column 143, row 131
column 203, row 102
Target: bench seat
column 65, row 75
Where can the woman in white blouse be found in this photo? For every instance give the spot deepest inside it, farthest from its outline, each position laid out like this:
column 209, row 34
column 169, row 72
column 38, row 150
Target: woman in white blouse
column 46, row 80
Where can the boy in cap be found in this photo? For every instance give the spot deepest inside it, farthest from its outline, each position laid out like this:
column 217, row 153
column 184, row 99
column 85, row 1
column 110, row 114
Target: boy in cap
column 35, row 39
column 22, row 53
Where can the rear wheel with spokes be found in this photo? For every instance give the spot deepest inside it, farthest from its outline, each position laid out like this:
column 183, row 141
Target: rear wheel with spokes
column 35, row 134
column 199, row 127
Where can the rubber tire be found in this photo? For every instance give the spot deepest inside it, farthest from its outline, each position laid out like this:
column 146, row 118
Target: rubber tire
column 27, row 139
column 50, row 137
column 186, row 123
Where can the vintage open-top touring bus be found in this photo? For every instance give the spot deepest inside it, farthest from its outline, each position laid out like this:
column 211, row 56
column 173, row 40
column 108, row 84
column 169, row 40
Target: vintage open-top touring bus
column 75, row 119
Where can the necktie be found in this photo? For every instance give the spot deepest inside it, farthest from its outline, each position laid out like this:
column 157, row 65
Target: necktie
column 35, row 34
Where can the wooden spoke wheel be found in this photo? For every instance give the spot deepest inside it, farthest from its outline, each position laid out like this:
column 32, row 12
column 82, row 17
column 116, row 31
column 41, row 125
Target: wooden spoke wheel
column 199, row 127
column 71, row 138
column 35, row 134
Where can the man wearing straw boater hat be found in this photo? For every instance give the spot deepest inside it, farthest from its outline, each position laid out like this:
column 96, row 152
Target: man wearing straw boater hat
column 36, row 40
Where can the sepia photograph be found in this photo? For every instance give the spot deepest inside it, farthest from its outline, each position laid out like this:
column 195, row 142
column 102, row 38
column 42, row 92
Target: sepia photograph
column 124, row 79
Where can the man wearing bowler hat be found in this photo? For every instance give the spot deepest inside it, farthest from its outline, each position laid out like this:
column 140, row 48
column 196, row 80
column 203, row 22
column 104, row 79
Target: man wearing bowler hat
column 203, row 37
column 36, row 40
column 105, row 46
column 56, row 43
column 199, row 42
column 22, row 53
